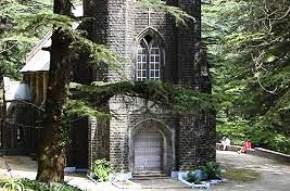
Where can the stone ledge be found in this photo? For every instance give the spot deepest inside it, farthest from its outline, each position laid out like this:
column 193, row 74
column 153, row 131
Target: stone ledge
column 258, row 151
column 272, row 154
column 234, row 148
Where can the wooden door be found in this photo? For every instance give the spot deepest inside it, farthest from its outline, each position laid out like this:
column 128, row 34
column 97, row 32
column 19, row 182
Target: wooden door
column 80, row 145
column 148, row 152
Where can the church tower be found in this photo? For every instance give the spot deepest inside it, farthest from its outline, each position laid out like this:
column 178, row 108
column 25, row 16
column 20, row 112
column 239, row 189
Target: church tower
column 155, row 48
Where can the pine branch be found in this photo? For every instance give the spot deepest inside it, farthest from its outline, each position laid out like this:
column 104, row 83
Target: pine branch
column 180, row 16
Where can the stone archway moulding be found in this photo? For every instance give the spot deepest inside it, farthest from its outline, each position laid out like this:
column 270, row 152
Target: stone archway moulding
column 168, row 141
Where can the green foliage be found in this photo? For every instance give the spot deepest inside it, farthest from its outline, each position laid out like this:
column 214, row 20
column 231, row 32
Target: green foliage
column 11, row 185
column 44, row 19
column 236, row 130
column 269, row 138
column 192, row 178
column 209, row 171
column 31, row 185
column 102, row 170
column 249, row 51
column 98, row 55
column 212, row 169
column 82, row 109
column 14, row 45
column 90, row 100
column 180, row 16
column 239, row 130
column 176, row 98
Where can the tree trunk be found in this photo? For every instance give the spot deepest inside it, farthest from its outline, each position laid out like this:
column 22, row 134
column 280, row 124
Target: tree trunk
column 51, row 159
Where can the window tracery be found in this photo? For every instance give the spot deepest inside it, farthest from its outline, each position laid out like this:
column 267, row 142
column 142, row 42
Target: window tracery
column 149, row 59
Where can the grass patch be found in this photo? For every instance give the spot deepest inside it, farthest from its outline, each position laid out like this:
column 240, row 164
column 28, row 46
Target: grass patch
column 240, row 175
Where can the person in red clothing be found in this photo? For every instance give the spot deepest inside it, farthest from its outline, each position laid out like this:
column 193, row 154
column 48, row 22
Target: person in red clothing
column 247, row 145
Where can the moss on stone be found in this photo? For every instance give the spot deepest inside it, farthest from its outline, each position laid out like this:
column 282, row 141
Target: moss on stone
column 240, row 175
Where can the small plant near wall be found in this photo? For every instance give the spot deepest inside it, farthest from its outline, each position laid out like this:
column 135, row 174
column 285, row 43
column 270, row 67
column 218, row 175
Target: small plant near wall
column 196, row 176
column 213, row 170
column 11, row 185
column 102, row 170
column 209, row 171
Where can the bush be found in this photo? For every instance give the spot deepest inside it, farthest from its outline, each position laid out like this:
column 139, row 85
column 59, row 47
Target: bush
column 196, row 176
column 212, row 169
column 11, row 185
column 31, row 185
column 102, row 170
column 209, row 171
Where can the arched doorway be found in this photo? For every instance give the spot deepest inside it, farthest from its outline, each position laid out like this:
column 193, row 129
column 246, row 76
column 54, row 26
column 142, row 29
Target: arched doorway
column 151, row 148
column 148, row 151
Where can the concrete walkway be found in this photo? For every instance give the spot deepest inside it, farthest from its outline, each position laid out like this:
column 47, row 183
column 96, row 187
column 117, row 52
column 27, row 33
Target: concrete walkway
column 24, row 167
column 273, row 175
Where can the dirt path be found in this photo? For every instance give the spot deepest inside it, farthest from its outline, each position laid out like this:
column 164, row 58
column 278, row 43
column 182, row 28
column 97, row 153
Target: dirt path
column 273, row 175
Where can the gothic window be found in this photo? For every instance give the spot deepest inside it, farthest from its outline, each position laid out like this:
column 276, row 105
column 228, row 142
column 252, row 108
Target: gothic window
column 148, row 60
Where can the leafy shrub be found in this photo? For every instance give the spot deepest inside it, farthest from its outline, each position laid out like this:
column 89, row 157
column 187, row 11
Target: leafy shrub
column 196, row 176
column 280, row 143
column 209, row 171
column 102, row 170
column 11, row 185
column 212, row 169
column 31, row 185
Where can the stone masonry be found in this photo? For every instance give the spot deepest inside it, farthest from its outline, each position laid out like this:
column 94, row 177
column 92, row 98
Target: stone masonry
column 188, row 140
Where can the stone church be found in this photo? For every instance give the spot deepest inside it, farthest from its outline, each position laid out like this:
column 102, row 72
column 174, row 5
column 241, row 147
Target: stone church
column 139, row 139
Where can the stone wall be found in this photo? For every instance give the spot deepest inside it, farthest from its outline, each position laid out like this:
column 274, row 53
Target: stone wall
column 98, row 140
column 119, row 135
column 119, row 24
column 195, row 140
column 196, row 132
column 130, row 114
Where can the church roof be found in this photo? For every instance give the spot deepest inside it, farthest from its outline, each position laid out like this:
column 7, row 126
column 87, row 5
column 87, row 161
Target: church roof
column 38, row 60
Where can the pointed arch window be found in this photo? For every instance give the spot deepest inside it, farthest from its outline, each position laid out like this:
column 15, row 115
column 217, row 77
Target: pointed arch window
column 149, row 59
